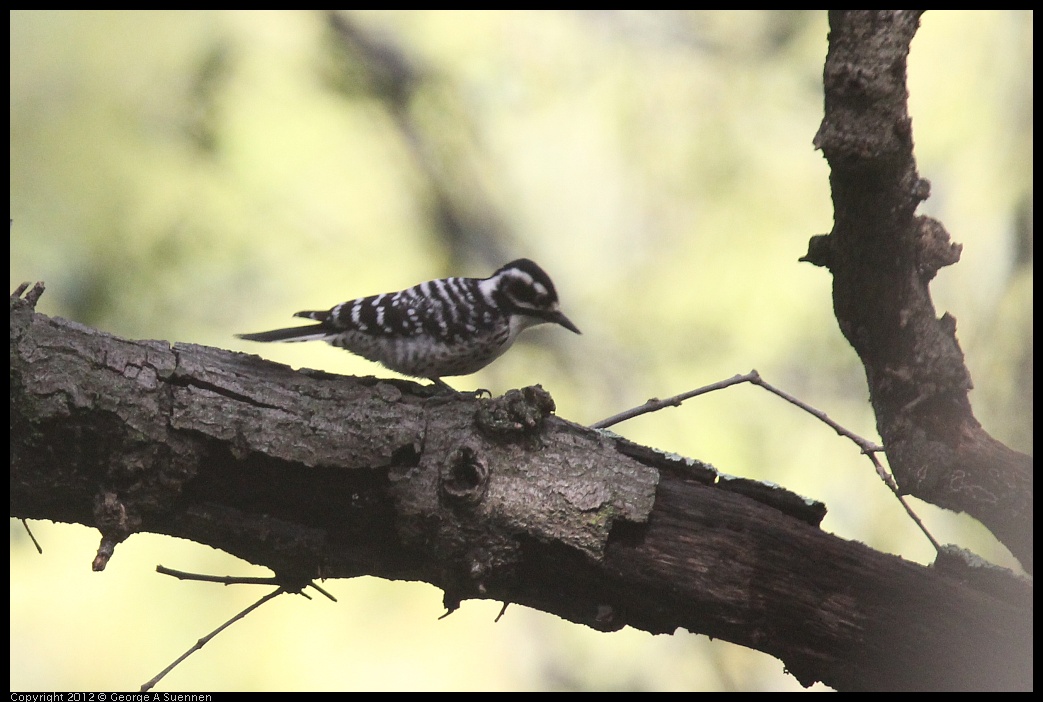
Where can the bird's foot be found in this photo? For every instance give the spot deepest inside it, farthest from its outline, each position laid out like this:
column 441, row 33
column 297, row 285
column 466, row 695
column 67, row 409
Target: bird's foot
column 449, row 393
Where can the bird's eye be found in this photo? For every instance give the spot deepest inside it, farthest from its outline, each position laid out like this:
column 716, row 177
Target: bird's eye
column 521, row 291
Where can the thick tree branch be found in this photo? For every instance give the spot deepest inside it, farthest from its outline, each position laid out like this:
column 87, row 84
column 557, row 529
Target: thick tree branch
column 883, row 257
column 315, row 476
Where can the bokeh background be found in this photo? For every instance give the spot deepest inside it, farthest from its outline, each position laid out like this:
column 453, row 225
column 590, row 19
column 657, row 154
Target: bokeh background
column 186, row 175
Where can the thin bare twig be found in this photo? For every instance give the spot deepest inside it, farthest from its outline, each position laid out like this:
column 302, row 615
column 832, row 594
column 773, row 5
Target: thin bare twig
column 39, row 548
column 206, row 639
column 655, row 404
column 295, row 588
column 281, row 587
column 869, row 448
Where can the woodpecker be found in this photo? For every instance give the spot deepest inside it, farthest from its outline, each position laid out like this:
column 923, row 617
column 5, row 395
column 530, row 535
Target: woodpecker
column 444, row 327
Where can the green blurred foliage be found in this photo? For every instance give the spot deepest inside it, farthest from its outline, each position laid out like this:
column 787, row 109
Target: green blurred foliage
column 185, row 175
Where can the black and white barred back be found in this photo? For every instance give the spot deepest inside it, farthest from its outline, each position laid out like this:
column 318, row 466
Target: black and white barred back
column 445, row 327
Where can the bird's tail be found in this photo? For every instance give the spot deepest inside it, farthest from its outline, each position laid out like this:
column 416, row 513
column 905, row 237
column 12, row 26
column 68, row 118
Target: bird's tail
column 315, row 332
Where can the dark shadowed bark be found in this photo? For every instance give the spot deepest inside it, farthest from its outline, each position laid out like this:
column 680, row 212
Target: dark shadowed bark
column 320, row 476
column 883, row 257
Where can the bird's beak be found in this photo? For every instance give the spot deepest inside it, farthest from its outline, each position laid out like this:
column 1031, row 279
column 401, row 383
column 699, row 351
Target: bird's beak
column 559, row 318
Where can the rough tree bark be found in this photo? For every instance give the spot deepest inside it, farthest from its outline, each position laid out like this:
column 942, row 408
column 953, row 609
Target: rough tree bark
column 315, row 475
column 883, row 256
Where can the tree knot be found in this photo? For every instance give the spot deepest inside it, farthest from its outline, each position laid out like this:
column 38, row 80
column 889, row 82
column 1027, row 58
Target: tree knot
column 518, row 413
column 464, row 477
